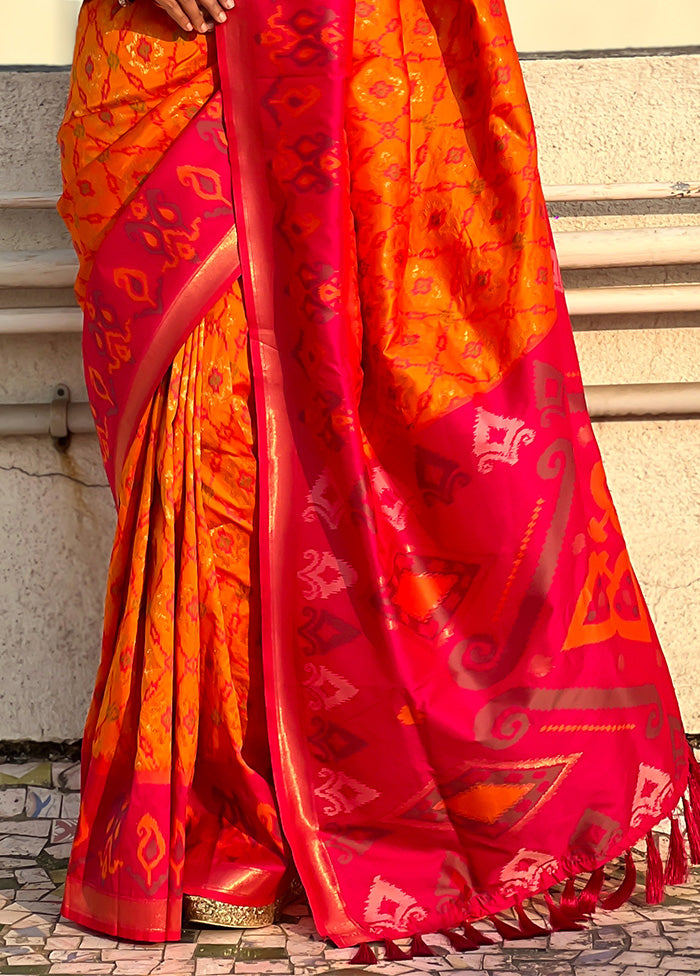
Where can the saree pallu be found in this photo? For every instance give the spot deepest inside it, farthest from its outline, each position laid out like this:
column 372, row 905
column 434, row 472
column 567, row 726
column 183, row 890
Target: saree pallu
column 371, row 618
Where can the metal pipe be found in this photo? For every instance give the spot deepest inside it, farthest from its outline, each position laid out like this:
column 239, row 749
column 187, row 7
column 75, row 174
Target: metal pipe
column 608, row 402
column 36, row 321
column 628, row 248
column 632, row 299
column 18, row 200
column 576, row 249
column 583, row 193
column 621, row 191
column 38, row 269
column 30, row 419
column 628, row 400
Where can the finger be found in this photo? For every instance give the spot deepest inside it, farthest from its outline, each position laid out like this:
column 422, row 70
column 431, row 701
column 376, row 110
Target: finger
column 175, row 11
column 215, row 8
column 197, row 15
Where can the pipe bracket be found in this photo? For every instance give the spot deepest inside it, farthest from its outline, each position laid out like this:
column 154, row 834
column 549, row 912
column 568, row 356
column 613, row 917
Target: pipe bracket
column 58, row 417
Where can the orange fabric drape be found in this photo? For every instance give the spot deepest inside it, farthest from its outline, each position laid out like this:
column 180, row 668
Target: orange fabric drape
column 427, row 481
column 123, row 113
column 174, row 696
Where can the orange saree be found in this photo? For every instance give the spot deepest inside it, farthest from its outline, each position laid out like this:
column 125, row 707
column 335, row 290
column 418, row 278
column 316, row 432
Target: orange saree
column 178, row 617
column 370, row 618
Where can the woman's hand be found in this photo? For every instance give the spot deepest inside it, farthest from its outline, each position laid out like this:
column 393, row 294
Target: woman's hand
column 199, row 15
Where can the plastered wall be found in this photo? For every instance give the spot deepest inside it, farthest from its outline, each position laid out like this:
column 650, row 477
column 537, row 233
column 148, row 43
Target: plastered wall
column 538, row 25
column 626, row 119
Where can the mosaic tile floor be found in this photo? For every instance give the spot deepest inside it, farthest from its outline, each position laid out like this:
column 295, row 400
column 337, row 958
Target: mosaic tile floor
column 38, row 810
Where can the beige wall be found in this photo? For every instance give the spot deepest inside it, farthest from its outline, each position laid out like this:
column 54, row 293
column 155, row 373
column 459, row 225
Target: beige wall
column 598, row 25
column 619, row 119
column 46, row 37
column 637, row 120
column 38, row 31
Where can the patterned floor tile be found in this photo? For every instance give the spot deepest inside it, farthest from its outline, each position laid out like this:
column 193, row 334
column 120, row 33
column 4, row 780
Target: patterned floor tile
column 38, row 814
column 174, row 968
column 32, row 773
column 63, row 831
column 219, row 936
column 59, row 852
column 12, row 802
column 62, row 942
column 81, row 969
column 28, row 828
column 213, row 967
column 216, row 951
column 21, row 846
column 67, row 778
column 43, row 803
column 70, row 805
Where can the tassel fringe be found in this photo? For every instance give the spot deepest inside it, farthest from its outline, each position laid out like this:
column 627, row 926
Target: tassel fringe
column 575, row 908
column 677, row 864
column 655, row 873
column 477, row 937
column 562, row 918
column 460, row 943
column 419, row 948
column 393, row 953
column 364, row 956
column 568, row 896
column 508, row 932
column 590, row 896
column 694, row 780
column 691, row 808
column 616, row 899
column 529, row 928
column 692, row 829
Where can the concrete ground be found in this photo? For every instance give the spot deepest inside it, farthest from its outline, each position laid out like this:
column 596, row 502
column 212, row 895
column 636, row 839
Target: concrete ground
column 38, row 811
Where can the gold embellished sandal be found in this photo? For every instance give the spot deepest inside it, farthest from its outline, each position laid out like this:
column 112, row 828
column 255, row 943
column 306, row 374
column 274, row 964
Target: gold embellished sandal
column 208, row 911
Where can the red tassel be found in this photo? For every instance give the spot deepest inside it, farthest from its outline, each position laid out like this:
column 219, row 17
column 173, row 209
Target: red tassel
column 460, row 943
column 419, row 948
column 507, row 931
column 588, row 899
column 477, row 937
column 692, row 829
column 694, row 768
column 655, row 873
column 693, row 793
column 677, row 864
column 617, row 898
column 529, row 928
column 392, row 952
column 365, row 955
column 562, row 918
column 568, row 896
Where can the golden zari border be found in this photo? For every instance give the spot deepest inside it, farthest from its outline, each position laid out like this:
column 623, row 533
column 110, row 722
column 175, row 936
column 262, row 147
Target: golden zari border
column 206, row 911
column 189, row 306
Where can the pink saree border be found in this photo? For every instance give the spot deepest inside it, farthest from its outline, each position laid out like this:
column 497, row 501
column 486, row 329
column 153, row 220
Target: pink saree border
column 253, row 85
column 169, row 256
column 277, row 464
column 195, row 296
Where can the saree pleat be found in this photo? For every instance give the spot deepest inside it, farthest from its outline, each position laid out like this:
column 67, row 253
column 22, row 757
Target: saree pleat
column 370, row 615
column 167, row 754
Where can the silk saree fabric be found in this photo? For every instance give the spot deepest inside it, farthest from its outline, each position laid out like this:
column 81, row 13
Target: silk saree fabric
column 386, row 633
